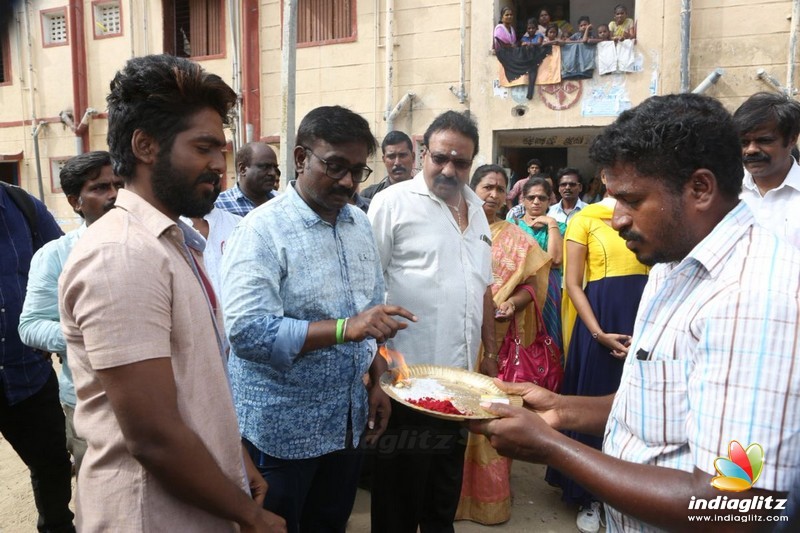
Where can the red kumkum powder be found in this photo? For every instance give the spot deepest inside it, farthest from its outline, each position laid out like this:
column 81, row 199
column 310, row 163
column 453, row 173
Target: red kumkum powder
column 440, row 406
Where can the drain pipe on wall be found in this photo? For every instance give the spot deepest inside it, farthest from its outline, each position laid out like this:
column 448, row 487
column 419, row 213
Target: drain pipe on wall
column 461, row 92
column 388, row 46
column 769, row 79
column 710, row 80
column 790, row 90
column 131, row 28
column 34, row 121
column 686, row 33
column 35, row 135
column 396, row 111
column 236, row 74
column 78, row 130
column 288, row 89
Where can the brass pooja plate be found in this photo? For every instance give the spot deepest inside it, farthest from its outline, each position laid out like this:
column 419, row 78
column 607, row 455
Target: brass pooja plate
column 463, row 388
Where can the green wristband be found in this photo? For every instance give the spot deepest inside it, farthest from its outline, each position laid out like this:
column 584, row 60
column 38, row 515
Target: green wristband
column 340, row 331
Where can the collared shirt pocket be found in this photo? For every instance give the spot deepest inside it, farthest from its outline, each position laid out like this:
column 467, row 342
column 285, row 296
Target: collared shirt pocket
column 657, row 401
column 362, row 270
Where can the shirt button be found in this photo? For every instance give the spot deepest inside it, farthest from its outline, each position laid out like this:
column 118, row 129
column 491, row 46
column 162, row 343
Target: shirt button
column 2, row 310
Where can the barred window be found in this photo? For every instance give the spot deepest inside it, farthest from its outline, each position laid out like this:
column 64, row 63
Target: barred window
column 325, row 21
column 5, row 59
column 194, row 28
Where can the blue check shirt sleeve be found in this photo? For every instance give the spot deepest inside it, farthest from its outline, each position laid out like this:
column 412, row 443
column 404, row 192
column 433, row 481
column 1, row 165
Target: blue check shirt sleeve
column 254, row 316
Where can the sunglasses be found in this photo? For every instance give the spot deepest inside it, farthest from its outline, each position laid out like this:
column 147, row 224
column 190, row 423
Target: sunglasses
column 441, row 160
column 540, row 197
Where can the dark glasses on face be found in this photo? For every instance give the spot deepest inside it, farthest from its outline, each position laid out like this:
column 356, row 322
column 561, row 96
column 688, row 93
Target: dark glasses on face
column 442, row 160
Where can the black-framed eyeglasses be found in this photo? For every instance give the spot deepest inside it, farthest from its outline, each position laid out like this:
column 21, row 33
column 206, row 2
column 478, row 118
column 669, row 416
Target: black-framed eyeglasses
column 568, row 184
column 337, row 171
column 266, row 167
column 441, row 160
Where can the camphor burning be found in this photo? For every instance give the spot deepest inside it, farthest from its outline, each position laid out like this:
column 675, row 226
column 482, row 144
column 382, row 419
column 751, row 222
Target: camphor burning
column 397, row 364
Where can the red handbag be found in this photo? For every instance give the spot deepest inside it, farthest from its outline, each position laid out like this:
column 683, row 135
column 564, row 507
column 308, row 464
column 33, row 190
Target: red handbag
column 539, row 363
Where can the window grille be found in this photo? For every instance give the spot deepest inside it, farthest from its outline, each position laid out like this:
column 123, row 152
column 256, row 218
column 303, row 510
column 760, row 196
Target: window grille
column 107, row 19
column 55, row 27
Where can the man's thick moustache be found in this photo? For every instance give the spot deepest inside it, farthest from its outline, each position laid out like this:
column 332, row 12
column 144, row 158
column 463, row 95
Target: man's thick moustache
column 213, row 179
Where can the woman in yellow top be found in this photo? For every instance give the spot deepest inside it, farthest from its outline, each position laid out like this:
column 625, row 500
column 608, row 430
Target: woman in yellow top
column 603, row 284
column 517, row 260
column 621, row 27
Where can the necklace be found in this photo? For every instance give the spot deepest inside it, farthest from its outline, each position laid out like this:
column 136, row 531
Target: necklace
column 457, row 209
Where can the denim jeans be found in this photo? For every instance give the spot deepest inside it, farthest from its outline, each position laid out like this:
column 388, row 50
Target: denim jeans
column 314, row 495
column 35, row 429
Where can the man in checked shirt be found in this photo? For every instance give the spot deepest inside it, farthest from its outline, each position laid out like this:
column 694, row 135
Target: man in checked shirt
column 712, row 354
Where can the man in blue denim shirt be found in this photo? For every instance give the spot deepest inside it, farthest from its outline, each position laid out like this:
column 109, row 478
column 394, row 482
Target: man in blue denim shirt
column 302, row 297
column 30, row 415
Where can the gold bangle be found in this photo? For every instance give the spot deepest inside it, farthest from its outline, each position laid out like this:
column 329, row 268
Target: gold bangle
column 490, row 355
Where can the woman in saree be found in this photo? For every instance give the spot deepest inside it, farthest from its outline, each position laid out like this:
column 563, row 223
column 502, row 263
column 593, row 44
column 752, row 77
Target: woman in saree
column 517, row 260
column 603, row 285
column 504, row 34
column 548, row 233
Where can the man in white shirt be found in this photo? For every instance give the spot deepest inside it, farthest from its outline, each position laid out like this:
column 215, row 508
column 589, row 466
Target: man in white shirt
column 435, row 247
column 569, row 187
column 768, row 127
column 215, row 227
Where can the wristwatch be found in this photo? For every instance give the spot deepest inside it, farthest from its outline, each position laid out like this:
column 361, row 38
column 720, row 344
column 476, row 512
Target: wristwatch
column 595, row 335
column 490, row 355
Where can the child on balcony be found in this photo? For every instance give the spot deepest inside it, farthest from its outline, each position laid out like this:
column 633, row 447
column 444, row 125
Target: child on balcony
column 532, row 37
column 551, row 37
column 577, row 59
column 584, row 32
column 550, row 70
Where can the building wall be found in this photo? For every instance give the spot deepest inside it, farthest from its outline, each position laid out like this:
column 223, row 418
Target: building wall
column 426, row 63
column 725, row 34
column 427, row 57
column 51, row 77
column 353, row 74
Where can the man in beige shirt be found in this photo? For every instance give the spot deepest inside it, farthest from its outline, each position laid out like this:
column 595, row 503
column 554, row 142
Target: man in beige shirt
column 143, row 327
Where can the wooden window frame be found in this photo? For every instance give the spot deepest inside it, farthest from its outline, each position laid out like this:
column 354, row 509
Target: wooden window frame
column 121, row 31
column 44, row 13
column 353, row 37
column 5, row 49
column 169, row 21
